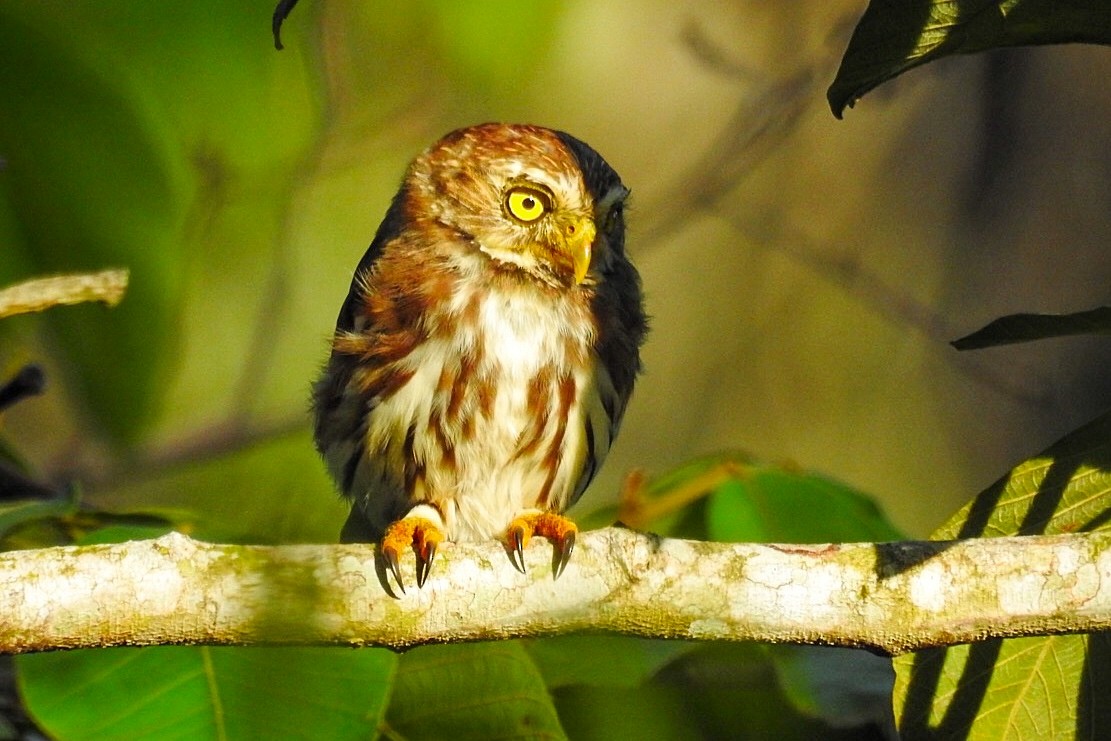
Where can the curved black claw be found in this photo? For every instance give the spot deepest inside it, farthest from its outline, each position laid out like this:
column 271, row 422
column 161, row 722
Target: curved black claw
column 517, row 549
column 424, row 563
column 563, row 552
column 395, row 568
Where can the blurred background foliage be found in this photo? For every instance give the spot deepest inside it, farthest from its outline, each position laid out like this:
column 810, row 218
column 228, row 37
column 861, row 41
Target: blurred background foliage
column 804, row 274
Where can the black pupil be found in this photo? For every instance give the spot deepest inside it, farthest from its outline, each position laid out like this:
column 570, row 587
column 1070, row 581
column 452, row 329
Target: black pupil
column 529, row 203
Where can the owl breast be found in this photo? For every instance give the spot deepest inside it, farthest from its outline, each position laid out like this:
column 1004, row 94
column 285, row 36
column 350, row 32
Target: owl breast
column 499, row 414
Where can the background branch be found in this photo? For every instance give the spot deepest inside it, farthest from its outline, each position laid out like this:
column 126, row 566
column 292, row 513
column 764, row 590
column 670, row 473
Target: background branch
column 891, row 598
column 106, row 286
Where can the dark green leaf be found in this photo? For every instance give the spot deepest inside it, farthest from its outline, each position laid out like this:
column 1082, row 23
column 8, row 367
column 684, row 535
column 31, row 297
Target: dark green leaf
column 730, row 690
column 893, row 37
column 1015, row 328
column 188, row 692
column 18, row 515
column 1052, row 687
column 611, row 713
column 611, row 661
column 471, row 691
column 844, row 687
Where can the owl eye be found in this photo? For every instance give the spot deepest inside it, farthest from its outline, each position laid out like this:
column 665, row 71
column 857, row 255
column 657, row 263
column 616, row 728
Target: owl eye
column 614, row 216
column 527, row 204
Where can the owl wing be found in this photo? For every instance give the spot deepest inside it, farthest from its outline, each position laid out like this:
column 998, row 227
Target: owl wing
column 390, row 228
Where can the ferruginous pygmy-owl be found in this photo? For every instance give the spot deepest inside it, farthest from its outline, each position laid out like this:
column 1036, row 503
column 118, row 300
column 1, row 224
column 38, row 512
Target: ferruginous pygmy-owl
column 487, row 348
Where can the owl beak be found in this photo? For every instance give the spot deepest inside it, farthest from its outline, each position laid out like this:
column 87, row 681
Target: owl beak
column 580, row 245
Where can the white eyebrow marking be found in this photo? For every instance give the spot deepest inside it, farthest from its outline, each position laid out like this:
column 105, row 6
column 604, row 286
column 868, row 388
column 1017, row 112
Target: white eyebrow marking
column 617, row 193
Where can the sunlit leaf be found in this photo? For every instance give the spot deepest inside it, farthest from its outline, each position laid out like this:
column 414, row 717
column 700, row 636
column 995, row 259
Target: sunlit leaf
column 771, row 504
column 1053, row 687
column 893, row 37
column 1065, row 489
column 1014, row 328
column 186, row 692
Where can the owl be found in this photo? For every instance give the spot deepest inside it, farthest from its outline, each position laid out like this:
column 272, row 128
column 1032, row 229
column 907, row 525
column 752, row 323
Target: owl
column 486, row 350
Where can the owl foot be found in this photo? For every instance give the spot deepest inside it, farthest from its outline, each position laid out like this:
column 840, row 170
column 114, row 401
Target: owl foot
column 419, row 533
column 556, row 528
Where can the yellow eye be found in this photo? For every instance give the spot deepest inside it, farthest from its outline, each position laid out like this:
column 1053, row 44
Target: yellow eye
column 527, row 204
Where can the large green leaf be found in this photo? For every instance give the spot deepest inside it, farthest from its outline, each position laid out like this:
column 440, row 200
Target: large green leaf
column 1014, row 328
column 893, row 37
column 169, row 141
column 1052, row 687
column 732, row 497
column 1065, row 489
column 471, row 691
column 92, row 182
column 1002, row 690
column 773, row 504
column 184, row 692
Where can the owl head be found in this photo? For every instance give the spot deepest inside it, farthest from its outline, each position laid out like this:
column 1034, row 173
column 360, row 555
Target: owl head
column 531, row 199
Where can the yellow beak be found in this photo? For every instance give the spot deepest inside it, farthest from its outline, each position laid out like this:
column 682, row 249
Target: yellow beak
column 580, row 245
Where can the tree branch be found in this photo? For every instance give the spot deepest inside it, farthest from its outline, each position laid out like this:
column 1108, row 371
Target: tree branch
column 891, row 598
column 106, row 286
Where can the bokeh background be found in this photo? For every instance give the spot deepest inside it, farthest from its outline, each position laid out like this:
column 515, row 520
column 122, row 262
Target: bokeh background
column 804, row 274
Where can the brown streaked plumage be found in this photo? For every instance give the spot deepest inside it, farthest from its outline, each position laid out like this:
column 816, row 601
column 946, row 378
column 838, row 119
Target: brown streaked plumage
column 487, row 348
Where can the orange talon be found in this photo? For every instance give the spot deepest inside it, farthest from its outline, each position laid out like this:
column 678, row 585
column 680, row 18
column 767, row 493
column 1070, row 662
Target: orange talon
column 558, row 529
column 418, row 533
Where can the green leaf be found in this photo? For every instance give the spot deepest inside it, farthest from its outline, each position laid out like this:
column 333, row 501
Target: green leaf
column 18, row 514
column 844, row 687
column 765, row 503
column 893, row 37
column 729, row 690
column 272, row 491
column 611, row 661
column 207, row 693
column 1065, row 489
column 1053, row 687
column 92, row 184
column 170, row 141
column 471, row 691
column 654, row 712
column 1016, row 328
column 731, row 497
column 997, row 690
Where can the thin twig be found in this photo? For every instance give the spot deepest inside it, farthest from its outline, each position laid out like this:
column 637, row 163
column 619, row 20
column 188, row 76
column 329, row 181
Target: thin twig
column 39, row 294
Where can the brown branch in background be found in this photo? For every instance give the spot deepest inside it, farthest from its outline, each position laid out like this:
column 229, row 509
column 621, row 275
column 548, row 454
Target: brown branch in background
column 39, row 294
column 762, row 122
column 30, row 380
